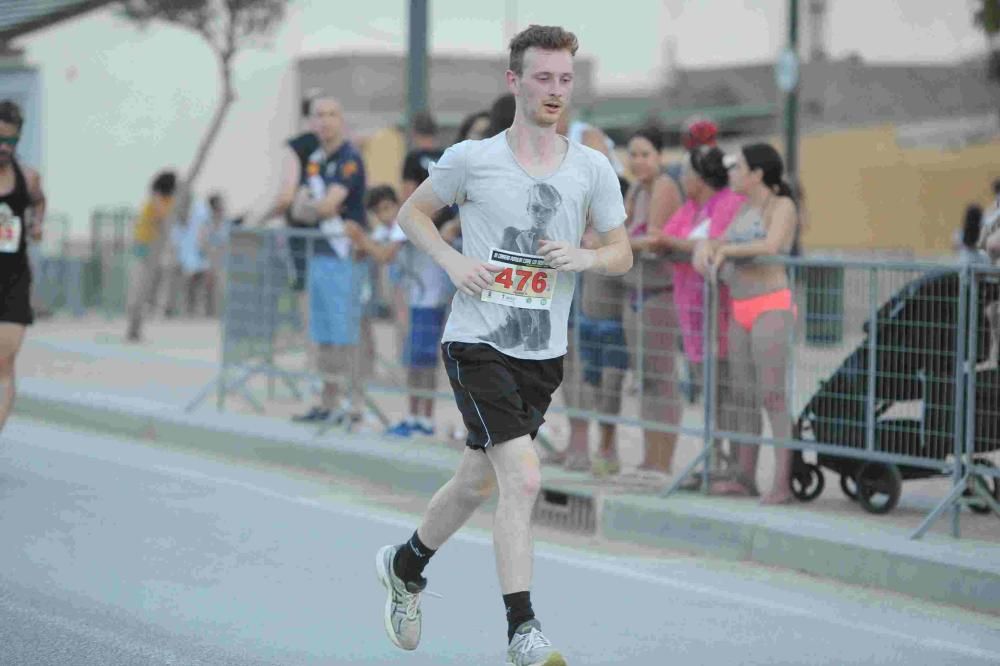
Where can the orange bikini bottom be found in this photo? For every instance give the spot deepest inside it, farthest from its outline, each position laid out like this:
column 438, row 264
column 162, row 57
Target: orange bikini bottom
column 746, row 310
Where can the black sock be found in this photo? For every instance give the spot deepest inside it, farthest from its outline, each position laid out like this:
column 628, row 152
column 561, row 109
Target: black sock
column 519, row 611
column 411, row 558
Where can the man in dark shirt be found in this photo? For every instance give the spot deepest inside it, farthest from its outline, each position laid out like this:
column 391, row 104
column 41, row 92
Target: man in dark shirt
column 294, row 164
column 427, row 288
column 425, row 152
column 331, row 195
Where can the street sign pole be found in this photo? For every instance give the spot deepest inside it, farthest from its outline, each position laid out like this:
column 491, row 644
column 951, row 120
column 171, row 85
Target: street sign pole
column 416, row 90
column 787, row 75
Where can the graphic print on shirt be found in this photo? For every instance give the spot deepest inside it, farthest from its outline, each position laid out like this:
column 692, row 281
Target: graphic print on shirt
column 528, row 327
column 10, row 230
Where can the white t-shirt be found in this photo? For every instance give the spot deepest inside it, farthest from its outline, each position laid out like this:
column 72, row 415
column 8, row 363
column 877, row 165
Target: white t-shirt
column 505, row 214
column 188, row 238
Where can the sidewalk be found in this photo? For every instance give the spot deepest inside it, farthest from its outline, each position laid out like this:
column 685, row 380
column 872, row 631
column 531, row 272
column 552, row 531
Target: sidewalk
column 79, row 372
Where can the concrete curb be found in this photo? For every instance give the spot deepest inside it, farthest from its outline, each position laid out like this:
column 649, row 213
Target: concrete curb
column 962, row 573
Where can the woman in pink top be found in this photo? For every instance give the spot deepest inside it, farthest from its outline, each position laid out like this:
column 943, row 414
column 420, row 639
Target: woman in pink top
column 710, row 208
column 707, row 213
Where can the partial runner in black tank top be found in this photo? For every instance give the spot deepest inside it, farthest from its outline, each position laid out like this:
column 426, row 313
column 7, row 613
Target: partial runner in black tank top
column 15, row 271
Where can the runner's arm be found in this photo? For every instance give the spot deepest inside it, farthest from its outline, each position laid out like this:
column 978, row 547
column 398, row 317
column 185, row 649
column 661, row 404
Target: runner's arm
column 467, row 274
column 37, row 203
column 614, row 253
column 611, row 256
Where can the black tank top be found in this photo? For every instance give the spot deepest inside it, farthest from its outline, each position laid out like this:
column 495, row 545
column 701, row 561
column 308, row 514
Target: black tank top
column 13, row 225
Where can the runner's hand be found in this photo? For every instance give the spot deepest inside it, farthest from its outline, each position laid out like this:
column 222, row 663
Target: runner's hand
column 469, row 276
column 567, row 258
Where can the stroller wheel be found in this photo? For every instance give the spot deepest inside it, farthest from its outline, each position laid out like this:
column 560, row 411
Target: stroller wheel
column 807, row 482
column 849, row 486
column 879, row 486
column 990, row 483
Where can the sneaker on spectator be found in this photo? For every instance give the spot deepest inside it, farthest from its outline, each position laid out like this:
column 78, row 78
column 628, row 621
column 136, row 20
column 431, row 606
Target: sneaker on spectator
column 423, row 429
column 347, row 418
column 402, row 429
column 314, row 415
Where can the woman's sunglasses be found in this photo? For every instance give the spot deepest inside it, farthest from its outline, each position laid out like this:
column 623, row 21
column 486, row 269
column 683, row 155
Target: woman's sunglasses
column 9, row 140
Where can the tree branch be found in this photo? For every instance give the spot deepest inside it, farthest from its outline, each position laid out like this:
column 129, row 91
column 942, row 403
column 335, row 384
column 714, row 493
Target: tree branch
column 226, row 26
column 226, row 99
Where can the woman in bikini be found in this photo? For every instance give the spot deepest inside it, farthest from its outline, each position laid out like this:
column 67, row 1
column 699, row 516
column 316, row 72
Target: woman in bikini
column 763, row 311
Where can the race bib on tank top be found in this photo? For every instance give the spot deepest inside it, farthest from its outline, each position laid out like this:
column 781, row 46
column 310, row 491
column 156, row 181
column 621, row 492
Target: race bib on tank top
column 11, row 229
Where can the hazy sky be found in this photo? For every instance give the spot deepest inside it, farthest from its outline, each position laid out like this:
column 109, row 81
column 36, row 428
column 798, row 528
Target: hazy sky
column 119, row 103
column 628, row 38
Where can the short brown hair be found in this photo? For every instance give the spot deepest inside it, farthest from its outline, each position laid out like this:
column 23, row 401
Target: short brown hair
column 545, row 37
column 10, row 113
column 423, row 124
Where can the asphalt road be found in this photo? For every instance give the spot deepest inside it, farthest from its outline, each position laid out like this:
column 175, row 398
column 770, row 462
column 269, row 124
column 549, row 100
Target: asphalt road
column 115, row 552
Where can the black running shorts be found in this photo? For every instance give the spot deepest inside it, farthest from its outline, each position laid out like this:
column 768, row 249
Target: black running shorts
column 501, row 397
column 15, row 298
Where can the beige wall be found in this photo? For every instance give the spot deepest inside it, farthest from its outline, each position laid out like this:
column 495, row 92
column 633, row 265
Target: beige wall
column 865, row 192
column 383, row 153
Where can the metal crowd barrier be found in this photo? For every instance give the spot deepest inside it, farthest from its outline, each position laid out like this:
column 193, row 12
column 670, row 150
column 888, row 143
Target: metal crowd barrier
column 907, row 388
column 74, row 277
column 106, row 284
column 886, row 371
column 57, row 275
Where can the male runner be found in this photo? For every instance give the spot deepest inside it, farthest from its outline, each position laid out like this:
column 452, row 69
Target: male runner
column 527, row 179
column 22, row 211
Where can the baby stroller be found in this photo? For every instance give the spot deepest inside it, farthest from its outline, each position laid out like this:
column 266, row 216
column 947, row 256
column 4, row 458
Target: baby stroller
column 915, row 355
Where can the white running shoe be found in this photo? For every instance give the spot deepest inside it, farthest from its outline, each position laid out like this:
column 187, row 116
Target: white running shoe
column 530, row 647
column 402, row 603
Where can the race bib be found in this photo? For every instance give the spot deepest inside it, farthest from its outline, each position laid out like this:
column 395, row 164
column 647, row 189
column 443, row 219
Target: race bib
column 525, row 281
column 10, row 230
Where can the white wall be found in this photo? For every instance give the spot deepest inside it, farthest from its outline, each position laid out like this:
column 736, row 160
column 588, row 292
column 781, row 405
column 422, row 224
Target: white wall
column 119, row 104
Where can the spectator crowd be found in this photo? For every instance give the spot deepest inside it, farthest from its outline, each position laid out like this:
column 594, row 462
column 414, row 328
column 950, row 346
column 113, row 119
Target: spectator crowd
column 702, row 217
